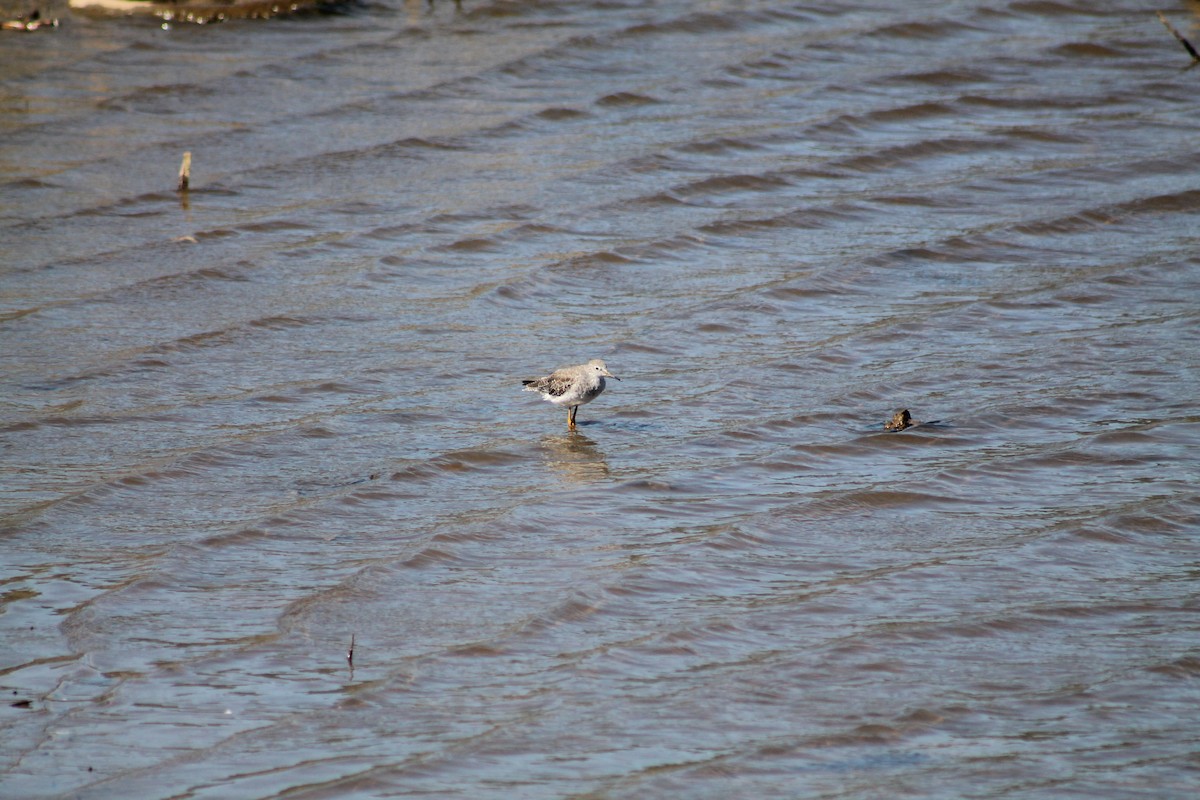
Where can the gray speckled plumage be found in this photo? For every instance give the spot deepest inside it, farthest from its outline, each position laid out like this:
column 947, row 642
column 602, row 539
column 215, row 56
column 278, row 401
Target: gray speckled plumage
column 572, row 386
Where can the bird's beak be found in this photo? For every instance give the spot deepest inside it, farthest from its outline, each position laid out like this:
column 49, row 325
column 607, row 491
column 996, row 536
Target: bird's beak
column 610, row 375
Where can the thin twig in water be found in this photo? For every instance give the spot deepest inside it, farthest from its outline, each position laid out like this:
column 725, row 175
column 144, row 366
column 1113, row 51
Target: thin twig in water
column 1186, row 44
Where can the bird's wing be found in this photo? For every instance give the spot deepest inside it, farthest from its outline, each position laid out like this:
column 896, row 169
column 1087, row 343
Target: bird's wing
column 558, row 383
column 555, row 384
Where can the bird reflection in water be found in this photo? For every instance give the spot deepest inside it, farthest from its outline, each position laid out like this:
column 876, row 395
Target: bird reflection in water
column 575, row 457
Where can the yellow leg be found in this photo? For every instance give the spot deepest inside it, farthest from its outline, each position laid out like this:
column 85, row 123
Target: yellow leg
column 571, row 412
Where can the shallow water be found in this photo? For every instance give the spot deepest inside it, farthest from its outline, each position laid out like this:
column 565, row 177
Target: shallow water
column 246, row 426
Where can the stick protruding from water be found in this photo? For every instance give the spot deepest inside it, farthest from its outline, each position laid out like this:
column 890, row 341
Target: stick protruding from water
column 1186, row 44
column 185, row 172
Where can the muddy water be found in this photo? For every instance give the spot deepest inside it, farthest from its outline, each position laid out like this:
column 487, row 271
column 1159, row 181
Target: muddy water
column 245, row 426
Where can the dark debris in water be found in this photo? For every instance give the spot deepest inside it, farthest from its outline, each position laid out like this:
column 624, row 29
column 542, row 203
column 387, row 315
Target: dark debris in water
column 902, row 420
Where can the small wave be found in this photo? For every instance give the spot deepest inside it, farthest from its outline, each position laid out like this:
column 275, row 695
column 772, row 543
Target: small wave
column 560, row 114
column 626, row 100
column 413, row 145
column 724, row 184
column 695, row 23
column 1086, row 50
column 179, row 98
column 903, row 155
column 1041, row 135
column 943, row 77
column 273, row 226
column 1184, row 202
column 855, row 124
column 459, row 462
column 909, row 113
column 869, row 501
column 473, row 244
column 938, row 29
column 659, row 199
column 599, row 258
column 430, row 557
column 800, row 219
column 280, row 322
column 1187, row 201
column 720, row 146
column 235, row 539
column 702, row 22
column 1053, row 8
column 1186, row 667
column 30, row 183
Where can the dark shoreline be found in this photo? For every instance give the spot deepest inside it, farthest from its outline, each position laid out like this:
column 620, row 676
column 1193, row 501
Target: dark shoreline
column 35, row 14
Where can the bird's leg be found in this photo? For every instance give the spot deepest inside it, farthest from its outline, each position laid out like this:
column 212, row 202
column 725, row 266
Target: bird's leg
column 571, row 412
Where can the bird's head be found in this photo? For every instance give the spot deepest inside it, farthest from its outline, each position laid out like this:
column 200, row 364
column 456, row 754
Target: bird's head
column 600, row 369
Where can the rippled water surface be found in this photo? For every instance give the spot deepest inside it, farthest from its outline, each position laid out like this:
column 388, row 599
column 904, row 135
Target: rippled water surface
column 245, row 426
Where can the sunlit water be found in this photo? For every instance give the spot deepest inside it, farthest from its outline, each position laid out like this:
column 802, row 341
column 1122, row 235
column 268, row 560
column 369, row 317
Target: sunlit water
column 247, row 425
